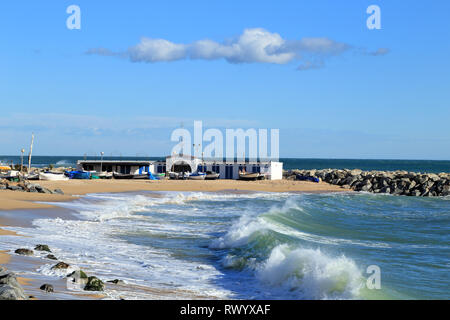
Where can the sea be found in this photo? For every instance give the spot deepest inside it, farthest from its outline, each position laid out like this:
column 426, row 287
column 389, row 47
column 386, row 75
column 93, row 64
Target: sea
column 255, row 245
column 429, row 166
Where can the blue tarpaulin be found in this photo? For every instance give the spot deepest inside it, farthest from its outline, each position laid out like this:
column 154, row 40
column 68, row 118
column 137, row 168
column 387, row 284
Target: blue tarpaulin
column 78, row 174
column 307, row 178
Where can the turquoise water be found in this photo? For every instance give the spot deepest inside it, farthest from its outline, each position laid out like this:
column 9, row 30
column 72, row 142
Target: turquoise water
column 435, row 166
column 258, row 245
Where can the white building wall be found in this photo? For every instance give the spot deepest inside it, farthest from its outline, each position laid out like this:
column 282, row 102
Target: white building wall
column 276, row 170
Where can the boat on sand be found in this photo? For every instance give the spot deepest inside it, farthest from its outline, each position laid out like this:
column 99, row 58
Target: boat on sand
column 212, row 175
column 249, row 176
column 51, row 176
column 197, row 176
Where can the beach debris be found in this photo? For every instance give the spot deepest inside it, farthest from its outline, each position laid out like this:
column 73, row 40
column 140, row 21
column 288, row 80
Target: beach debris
column 79, row 277
column 10, row 289
column 42, row 247
column 94, row 284
column 393, row 182
column 47, row 287
column 51, row 257
column 116, row 281
column 24, row 252
column 61, row 265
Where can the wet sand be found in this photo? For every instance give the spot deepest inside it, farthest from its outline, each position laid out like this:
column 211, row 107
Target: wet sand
column 10, row 200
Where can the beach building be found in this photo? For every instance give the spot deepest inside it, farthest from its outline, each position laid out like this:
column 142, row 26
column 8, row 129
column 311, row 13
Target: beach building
column 272, row 170
column 119, row 166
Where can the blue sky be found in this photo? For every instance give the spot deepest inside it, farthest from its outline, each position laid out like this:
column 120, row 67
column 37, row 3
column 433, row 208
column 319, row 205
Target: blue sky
column 352, row 103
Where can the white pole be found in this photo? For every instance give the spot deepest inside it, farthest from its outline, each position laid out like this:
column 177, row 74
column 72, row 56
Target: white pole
column 31, row 151
column 21, row 160
column 101, row 162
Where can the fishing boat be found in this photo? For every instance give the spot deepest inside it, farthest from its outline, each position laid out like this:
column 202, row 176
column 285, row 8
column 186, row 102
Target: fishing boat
column 52, row 176
column 123, row 175
column 105, row 175
column 4, row 167
column 141, row 176
column 197, row 176
column 174, row 175
column 249, row 176
column 212, row 175
column 10, row 175
column 32, row 176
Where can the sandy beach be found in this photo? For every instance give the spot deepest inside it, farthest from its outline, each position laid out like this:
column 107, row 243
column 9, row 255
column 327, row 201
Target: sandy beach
column 10, row 200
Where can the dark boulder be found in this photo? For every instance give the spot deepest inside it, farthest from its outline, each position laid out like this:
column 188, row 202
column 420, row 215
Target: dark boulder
column 24, row 252
column 47, row 287
column 94, row 284
column 42, row 247
column 61, row 265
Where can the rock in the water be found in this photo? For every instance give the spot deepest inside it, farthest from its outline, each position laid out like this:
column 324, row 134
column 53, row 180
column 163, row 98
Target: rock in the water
column 25, row 252
column 51, row 257
column 47, row 287
column 61, row 265
column 10, row 289
column 79, row 277
column 42, row 247
column 115, row 281
column 94, row 284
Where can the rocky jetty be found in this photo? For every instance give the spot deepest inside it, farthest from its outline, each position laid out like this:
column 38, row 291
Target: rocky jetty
column 392, row 182
column 10, row 289
column 26, row 186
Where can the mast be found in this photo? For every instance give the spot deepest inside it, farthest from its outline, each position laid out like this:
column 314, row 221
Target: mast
column 31, row 151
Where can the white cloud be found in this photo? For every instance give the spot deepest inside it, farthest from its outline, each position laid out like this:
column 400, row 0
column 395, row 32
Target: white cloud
column 154, row 50
column 379, row 52
column 255, row 45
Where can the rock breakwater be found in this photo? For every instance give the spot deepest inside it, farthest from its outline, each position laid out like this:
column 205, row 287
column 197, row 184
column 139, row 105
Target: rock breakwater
column 391, row 182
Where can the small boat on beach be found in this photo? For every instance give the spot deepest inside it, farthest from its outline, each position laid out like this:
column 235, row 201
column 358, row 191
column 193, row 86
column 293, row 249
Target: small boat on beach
column 197, row 176
column 142, row 176
column 32, row 176
column 123, row 175
column 52, row 176
column 105, row 175
column 4, row 167
column 175, row 175
column 10, row 175
column 249, row 176
column 212, row 175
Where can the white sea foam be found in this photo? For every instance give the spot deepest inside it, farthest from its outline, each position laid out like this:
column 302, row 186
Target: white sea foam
column 311, row 274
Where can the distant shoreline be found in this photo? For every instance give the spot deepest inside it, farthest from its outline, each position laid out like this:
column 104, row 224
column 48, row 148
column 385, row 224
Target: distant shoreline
column 425, row 166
